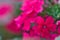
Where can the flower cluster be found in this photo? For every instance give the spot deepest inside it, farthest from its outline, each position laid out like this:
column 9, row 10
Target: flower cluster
column 31, row 24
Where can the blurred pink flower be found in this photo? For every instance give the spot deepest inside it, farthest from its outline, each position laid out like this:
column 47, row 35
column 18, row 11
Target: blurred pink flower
column 56, row 1
column 26, row 36
column 53, row 36
column 12, row 28
column 6, row 11
column 32, row 5
column 58, row 26
column 19, row 20
column 58, row 23
column 5, row 8
column 58, row 30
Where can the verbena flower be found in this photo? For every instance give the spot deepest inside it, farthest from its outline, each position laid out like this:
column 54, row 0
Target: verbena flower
column 32, row 5
column 58, row 27
column 12, row 28
column 40, row 27
column 26, row 36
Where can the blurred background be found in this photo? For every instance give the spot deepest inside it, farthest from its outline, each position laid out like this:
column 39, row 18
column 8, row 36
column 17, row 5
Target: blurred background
column 7, row 16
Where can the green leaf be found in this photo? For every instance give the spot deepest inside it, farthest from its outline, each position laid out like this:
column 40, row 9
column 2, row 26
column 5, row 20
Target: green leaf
column 54, row 11
column 17, row 9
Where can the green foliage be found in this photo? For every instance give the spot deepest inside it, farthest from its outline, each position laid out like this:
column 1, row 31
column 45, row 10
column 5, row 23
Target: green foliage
column 17, row 9
column 50, row 0
column 54, row 11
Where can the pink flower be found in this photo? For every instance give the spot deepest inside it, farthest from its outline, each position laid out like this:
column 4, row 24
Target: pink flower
column 29, row 11
column 26, row 36
column 5, row 8
column 49, row 23
column 41, row 26
column 12, row 28
column 21, row 18
column 58, row 30
column 32, row 5
column 27, row 23
column 58, row 26
column 47, row 27
column 58, row 22
column 56, row 1
column 53, row 36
